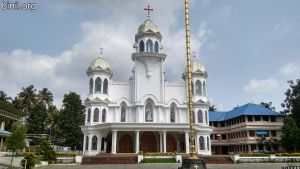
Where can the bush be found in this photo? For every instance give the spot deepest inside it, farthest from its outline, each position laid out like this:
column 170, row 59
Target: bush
column 253, row 154
column 47, row 151
column 31, row 160
column 159, row 160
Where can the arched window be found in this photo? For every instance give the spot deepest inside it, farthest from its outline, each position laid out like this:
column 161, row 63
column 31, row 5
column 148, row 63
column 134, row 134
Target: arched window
column 91, row 86
column 123, row 112
column 198, row 87
column 149, row 112
column 207, row 143
column 206, row 117
column 204, row 89
column 104, row 115
column 98, row 84
column 96, row 115
column 200, row 116
column 142, row 46
column 105, row 86
column 193, row 88
column 172, row 113
column 156, row 46
column 86, row 142
column 201, row 143
column 149, row 46
column 94, row 142
column 89, row 116
column 102, row 143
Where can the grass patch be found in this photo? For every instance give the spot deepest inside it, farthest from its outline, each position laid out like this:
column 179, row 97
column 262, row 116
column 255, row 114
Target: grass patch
column 159, row 160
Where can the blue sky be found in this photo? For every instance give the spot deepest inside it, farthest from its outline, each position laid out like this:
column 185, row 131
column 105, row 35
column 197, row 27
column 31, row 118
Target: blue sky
column 249, row 48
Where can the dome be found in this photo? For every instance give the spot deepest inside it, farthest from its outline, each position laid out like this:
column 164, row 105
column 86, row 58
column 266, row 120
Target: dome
column 100, row 65
column 197, row 66
column 148, row 25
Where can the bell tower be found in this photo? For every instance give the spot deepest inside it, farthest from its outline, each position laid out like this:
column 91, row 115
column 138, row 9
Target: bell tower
column 148, row 72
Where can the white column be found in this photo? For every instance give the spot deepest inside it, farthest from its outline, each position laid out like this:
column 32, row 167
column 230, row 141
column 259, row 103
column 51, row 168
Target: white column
column 92, row 115
column 84, row 138
column 90, row 143
column 165, row 141
column 2, row 125
column 114, row 142
column 1, row 142
column 137, row 141
column 187, row 142
column 99, row 143
column 160, row 142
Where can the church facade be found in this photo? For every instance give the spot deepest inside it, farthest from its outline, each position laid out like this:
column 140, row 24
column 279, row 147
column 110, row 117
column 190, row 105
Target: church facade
column 146, row 113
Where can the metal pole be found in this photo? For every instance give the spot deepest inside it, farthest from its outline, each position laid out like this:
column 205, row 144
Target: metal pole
column 189, row 82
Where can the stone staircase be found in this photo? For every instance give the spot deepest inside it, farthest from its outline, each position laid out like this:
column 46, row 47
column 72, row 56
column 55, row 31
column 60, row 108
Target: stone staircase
column 110, row 159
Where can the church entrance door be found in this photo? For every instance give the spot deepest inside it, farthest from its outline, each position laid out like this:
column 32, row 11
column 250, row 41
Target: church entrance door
column 171, row 143
column 148, row 142
column 126, row 144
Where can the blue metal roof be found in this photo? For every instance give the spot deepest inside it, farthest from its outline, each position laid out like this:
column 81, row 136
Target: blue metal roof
column 247, row 109
column 4, row 132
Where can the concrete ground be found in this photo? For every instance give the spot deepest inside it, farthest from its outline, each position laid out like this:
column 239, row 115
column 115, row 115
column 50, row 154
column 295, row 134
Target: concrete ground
column 173, row 166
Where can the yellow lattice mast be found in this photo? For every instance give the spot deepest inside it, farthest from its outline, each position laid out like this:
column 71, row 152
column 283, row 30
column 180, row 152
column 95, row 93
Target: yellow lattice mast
column 189, row 83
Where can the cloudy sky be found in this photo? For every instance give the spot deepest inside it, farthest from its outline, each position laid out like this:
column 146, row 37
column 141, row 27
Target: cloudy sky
column 249, row 48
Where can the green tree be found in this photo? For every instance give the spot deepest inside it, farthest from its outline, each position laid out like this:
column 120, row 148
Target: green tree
column 4, row 97
column 26, row 99
column 291, row 104
column 71, row 117
column 267, row 105
column 291, row 135
column 45, row 97
column 17, row 140
column 212, row 108
column 37, row 120
column 52, row 121
column 47, row 151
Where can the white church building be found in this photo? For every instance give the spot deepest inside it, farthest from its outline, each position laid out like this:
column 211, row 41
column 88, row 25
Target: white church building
column 146, row 113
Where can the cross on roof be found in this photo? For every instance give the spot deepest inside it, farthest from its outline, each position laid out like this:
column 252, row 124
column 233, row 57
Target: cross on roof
column 148, row 10
column 101, row 51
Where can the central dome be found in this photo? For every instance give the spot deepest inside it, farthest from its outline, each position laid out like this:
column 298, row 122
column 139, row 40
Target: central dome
column 148, row 25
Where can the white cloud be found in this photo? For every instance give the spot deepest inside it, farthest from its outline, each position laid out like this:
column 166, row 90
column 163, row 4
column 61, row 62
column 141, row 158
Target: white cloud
column 66, row 71
column 290, row 69
column 282, row 28
column 262, row 86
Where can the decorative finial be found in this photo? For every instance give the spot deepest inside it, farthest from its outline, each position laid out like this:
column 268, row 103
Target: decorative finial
column 148, row 10
column 194, row 54
column 101, row 51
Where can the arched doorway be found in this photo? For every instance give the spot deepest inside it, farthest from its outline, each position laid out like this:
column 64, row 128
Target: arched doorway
column 148, row 142
column 126, row 144
column 182, row 143
column 171, row 143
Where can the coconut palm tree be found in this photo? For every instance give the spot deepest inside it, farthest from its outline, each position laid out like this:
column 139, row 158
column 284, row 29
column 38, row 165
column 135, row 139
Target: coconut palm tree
column 4, row 97
column 45, row 97
column 26, row 99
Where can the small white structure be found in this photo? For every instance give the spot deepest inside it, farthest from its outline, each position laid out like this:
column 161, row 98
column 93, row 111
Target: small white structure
column 146, row 113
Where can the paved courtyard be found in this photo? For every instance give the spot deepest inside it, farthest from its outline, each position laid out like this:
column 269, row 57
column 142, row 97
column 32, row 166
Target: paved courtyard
column 172, row 166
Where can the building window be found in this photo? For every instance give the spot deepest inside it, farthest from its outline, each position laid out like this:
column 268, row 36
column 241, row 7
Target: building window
column 104, row 115
column 142, row 46
column 156, row 46
column 172, row 113
column 149, row 112
column 273, row 133
column 252, row 134
column 223, row 136
column 89, row 116
column 91, row 86
column 102, row 143
column 207, row 143
column 94, row 142
column 98, row 84
column 257, row 118
column 201, row 143
column 123, row 112
column 96, row 115
column 105, row 86
column 273, row 119
column 206, row 117
column 204, row 89
column 261, row 133
column 86, row 142
column 198, row 87
column 149, row 46
column 200, row 116
column 265, row 118
column 250, row 118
